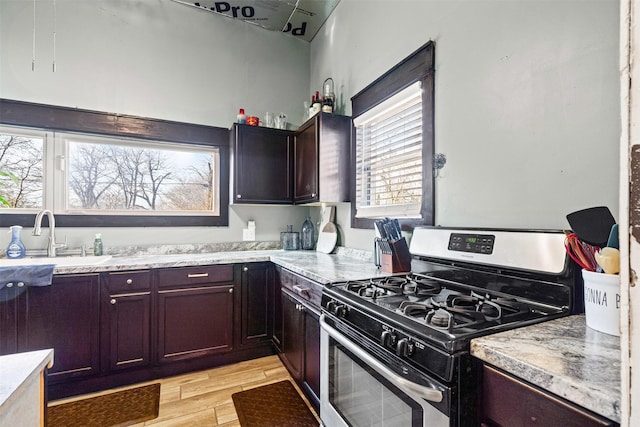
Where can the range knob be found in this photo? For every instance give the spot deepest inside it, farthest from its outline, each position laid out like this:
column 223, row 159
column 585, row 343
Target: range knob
column 385, row 338
column 388, row 339
column 331, row 306
column 405, row 347
column 340, row 311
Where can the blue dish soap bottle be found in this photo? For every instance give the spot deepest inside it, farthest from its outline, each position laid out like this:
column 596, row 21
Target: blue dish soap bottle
column 15, row 249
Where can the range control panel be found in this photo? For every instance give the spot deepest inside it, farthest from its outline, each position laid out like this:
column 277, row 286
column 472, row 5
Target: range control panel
column 475, row 243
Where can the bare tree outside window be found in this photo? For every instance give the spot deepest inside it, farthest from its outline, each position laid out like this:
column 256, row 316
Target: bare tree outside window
column 132, row 178
column 21, row 177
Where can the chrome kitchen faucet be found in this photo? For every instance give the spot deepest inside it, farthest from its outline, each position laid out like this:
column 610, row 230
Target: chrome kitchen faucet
column 37, row 230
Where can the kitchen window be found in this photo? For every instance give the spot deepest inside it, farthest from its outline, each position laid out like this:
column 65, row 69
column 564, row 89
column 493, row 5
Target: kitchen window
column 392, row 149
column 90, row 179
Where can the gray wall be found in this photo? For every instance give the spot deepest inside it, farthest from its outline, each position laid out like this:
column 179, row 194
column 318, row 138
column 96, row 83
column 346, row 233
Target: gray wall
column 526, row 100
column 527, row 104
column 160, row 59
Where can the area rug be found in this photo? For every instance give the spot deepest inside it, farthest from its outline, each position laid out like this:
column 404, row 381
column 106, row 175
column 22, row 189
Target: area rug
column 120, row 408
column 273, row 405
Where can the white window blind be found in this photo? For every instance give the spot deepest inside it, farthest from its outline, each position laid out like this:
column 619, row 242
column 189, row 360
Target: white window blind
column 389, row 157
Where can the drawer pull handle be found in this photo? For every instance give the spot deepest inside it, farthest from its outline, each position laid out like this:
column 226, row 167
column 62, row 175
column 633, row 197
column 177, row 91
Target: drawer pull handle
column 301, row 290
column 113, row 301
column 129, row 281
column 191, row 276
column 231, row 290
column 10, row 285
column 246, row 269
column 21, row 284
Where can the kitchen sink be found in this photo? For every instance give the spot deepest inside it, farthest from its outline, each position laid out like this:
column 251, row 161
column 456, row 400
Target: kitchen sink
column 61, row 261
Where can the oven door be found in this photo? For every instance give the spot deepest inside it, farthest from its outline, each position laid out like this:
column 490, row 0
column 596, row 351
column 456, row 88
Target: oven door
column 359, row 389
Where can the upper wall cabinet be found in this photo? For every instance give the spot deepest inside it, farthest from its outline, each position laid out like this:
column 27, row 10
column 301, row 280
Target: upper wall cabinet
column 261, row 165
column 321, row 159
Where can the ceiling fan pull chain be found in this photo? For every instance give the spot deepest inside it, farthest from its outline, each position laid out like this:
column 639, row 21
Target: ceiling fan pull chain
column 55, row 26
column 33, row 53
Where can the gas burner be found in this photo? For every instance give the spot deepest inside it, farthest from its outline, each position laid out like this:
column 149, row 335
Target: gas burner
column 451, row 318
column 356, row 285
column 440, row 318
column 411, row 308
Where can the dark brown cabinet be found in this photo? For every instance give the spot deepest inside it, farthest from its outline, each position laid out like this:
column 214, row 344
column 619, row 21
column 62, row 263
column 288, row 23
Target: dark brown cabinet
column 262, row 165
column 257, row 294
column 321, row 159
column 195, row 312
column 126, row 322
column 10, row 301
column 508, row 401
column 292, row 342
column 299, row 333
column 66, row 317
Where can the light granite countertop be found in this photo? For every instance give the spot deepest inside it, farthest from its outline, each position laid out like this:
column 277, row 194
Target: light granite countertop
column 562, row 356
column 323, row 268
column 16, row 372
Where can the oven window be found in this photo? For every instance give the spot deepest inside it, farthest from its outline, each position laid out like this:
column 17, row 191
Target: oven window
column 364, row 398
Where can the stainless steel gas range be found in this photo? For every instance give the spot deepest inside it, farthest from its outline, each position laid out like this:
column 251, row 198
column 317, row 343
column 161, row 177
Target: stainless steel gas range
column 395, row 350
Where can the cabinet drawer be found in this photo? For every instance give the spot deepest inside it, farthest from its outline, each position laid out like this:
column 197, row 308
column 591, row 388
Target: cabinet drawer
column 128, row 281
column 306, row 289
column 507, row 401
column 186, row 276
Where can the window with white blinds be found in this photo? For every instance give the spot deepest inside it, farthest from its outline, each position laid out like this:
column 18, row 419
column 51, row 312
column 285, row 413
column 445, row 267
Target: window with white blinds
column 389, row 174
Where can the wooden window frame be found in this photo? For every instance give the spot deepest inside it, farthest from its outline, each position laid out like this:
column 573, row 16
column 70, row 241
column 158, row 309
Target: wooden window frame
column 419, row 66
column 55, row 118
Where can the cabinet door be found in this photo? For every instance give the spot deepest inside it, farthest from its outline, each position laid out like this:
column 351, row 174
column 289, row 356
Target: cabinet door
column 262, row 165
column 306, row 163
column 64, row 316
column 312, row 356
column 126, row 319
column 194, row 322
column 257, row 300
column 507, row 401
column 10, row 301
column 277, row 312
column 293, row 329
column 129, row 330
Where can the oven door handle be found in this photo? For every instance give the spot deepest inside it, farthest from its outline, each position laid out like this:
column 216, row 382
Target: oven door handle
column 410, row 387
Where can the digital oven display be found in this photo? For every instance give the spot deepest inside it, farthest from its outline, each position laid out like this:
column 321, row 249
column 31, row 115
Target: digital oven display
column 474, row 243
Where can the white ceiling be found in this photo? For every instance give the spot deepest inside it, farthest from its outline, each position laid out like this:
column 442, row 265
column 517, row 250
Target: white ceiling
column 301, row 18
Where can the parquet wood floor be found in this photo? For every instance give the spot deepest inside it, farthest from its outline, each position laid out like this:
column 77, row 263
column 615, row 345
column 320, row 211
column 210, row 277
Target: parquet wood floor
column 203, row 398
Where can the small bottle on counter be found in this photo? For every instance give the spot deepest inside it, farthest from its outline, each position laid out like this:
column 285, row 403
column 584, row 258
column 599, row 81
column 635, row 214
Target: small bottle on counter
column 16, row 249
column 97, row 245
column 242, row 119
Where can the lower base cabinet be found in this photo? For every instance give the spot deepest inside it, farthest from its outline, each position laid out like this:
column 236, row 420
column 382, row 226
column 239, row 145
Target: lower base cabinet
column 126, row 320
column 66, row 317
column 195, row 312
column 508, row 401
column 297, row 332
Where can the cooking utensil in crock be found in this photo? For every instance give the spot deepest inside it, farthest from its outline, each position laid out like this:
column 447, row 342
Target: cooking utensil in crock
column 614, row 239
column 609, row 260
column 592, row 225
column 582, row 253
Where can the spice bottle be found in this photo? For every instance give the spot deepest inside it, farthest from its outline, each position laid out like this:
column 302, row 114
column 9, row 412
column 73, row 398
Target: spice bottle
column 97, row 245
column 242, row 119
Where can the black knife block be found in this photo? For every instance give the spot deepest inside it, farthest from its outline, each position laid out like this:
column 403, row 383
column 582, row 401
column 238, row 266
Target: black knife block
column 399, row 260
